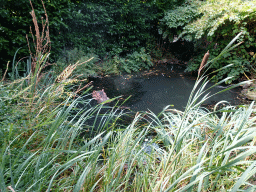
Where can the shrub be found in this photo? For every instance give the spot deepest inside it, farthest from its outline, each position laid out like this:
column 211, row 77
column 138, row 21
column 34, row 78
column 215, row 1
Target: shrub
column 133, row 62
column 77, row 55
column 215, row 23
column 176, row 19
column 112, row 65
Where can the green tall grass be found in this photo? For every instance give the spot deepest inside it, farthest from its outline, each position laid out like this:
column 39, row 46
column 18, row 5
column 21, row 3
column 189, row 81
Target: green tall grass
column 45, row 146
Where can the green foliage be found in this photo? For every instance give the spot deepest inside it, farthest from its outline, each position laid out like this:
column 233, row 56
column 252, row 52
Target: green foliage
column 112, row 65
column 8, row 114
column 100, row 26
column 218, row 17
column 216, row 23
column 120, row 24
column 164, row 5
column 16, row 21
column 73, row 56
column 86, row 27
column 133, row 62
column 239, row 67
column 176, row 19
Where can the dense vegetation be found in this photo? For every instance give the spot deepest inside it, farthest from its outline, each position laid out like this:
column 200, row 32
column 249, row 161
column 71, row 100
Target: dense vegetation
column 53, row 137
column 211, row 25
column 115, row 28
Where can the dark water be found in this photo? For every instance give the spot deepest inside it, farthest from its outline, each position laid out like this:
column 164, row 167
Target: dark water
column 155, row 89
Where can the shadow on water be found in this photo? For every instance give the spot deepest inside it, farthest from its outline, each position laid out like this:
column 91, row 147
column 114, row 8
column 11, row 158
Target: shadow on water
column 156, row 88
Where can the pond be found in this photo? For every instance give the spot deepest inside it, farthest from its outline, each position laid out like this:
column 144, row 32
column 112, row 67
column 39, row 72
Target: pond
column 158, row 87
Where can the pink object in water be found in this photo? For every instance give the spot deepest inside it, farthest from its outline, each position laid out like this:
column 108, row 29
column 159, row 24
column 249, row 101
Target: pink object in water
column 100, row 96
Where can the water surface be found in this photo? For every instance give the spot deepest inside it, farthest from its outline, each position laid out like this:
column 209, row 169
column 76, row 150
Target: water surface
column 154, row 90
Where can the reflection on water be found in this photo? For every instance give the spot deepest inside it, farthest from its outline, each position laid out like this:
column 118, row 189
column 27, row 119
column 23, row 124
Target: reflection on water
column 155, row 92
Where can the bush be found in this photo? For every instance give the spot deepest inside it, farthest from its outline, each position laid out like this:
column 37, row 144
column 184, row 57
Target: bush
column 73, row 56
column 112, row 65
column 211, row 25
column 133, row 62
column 176, row 19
